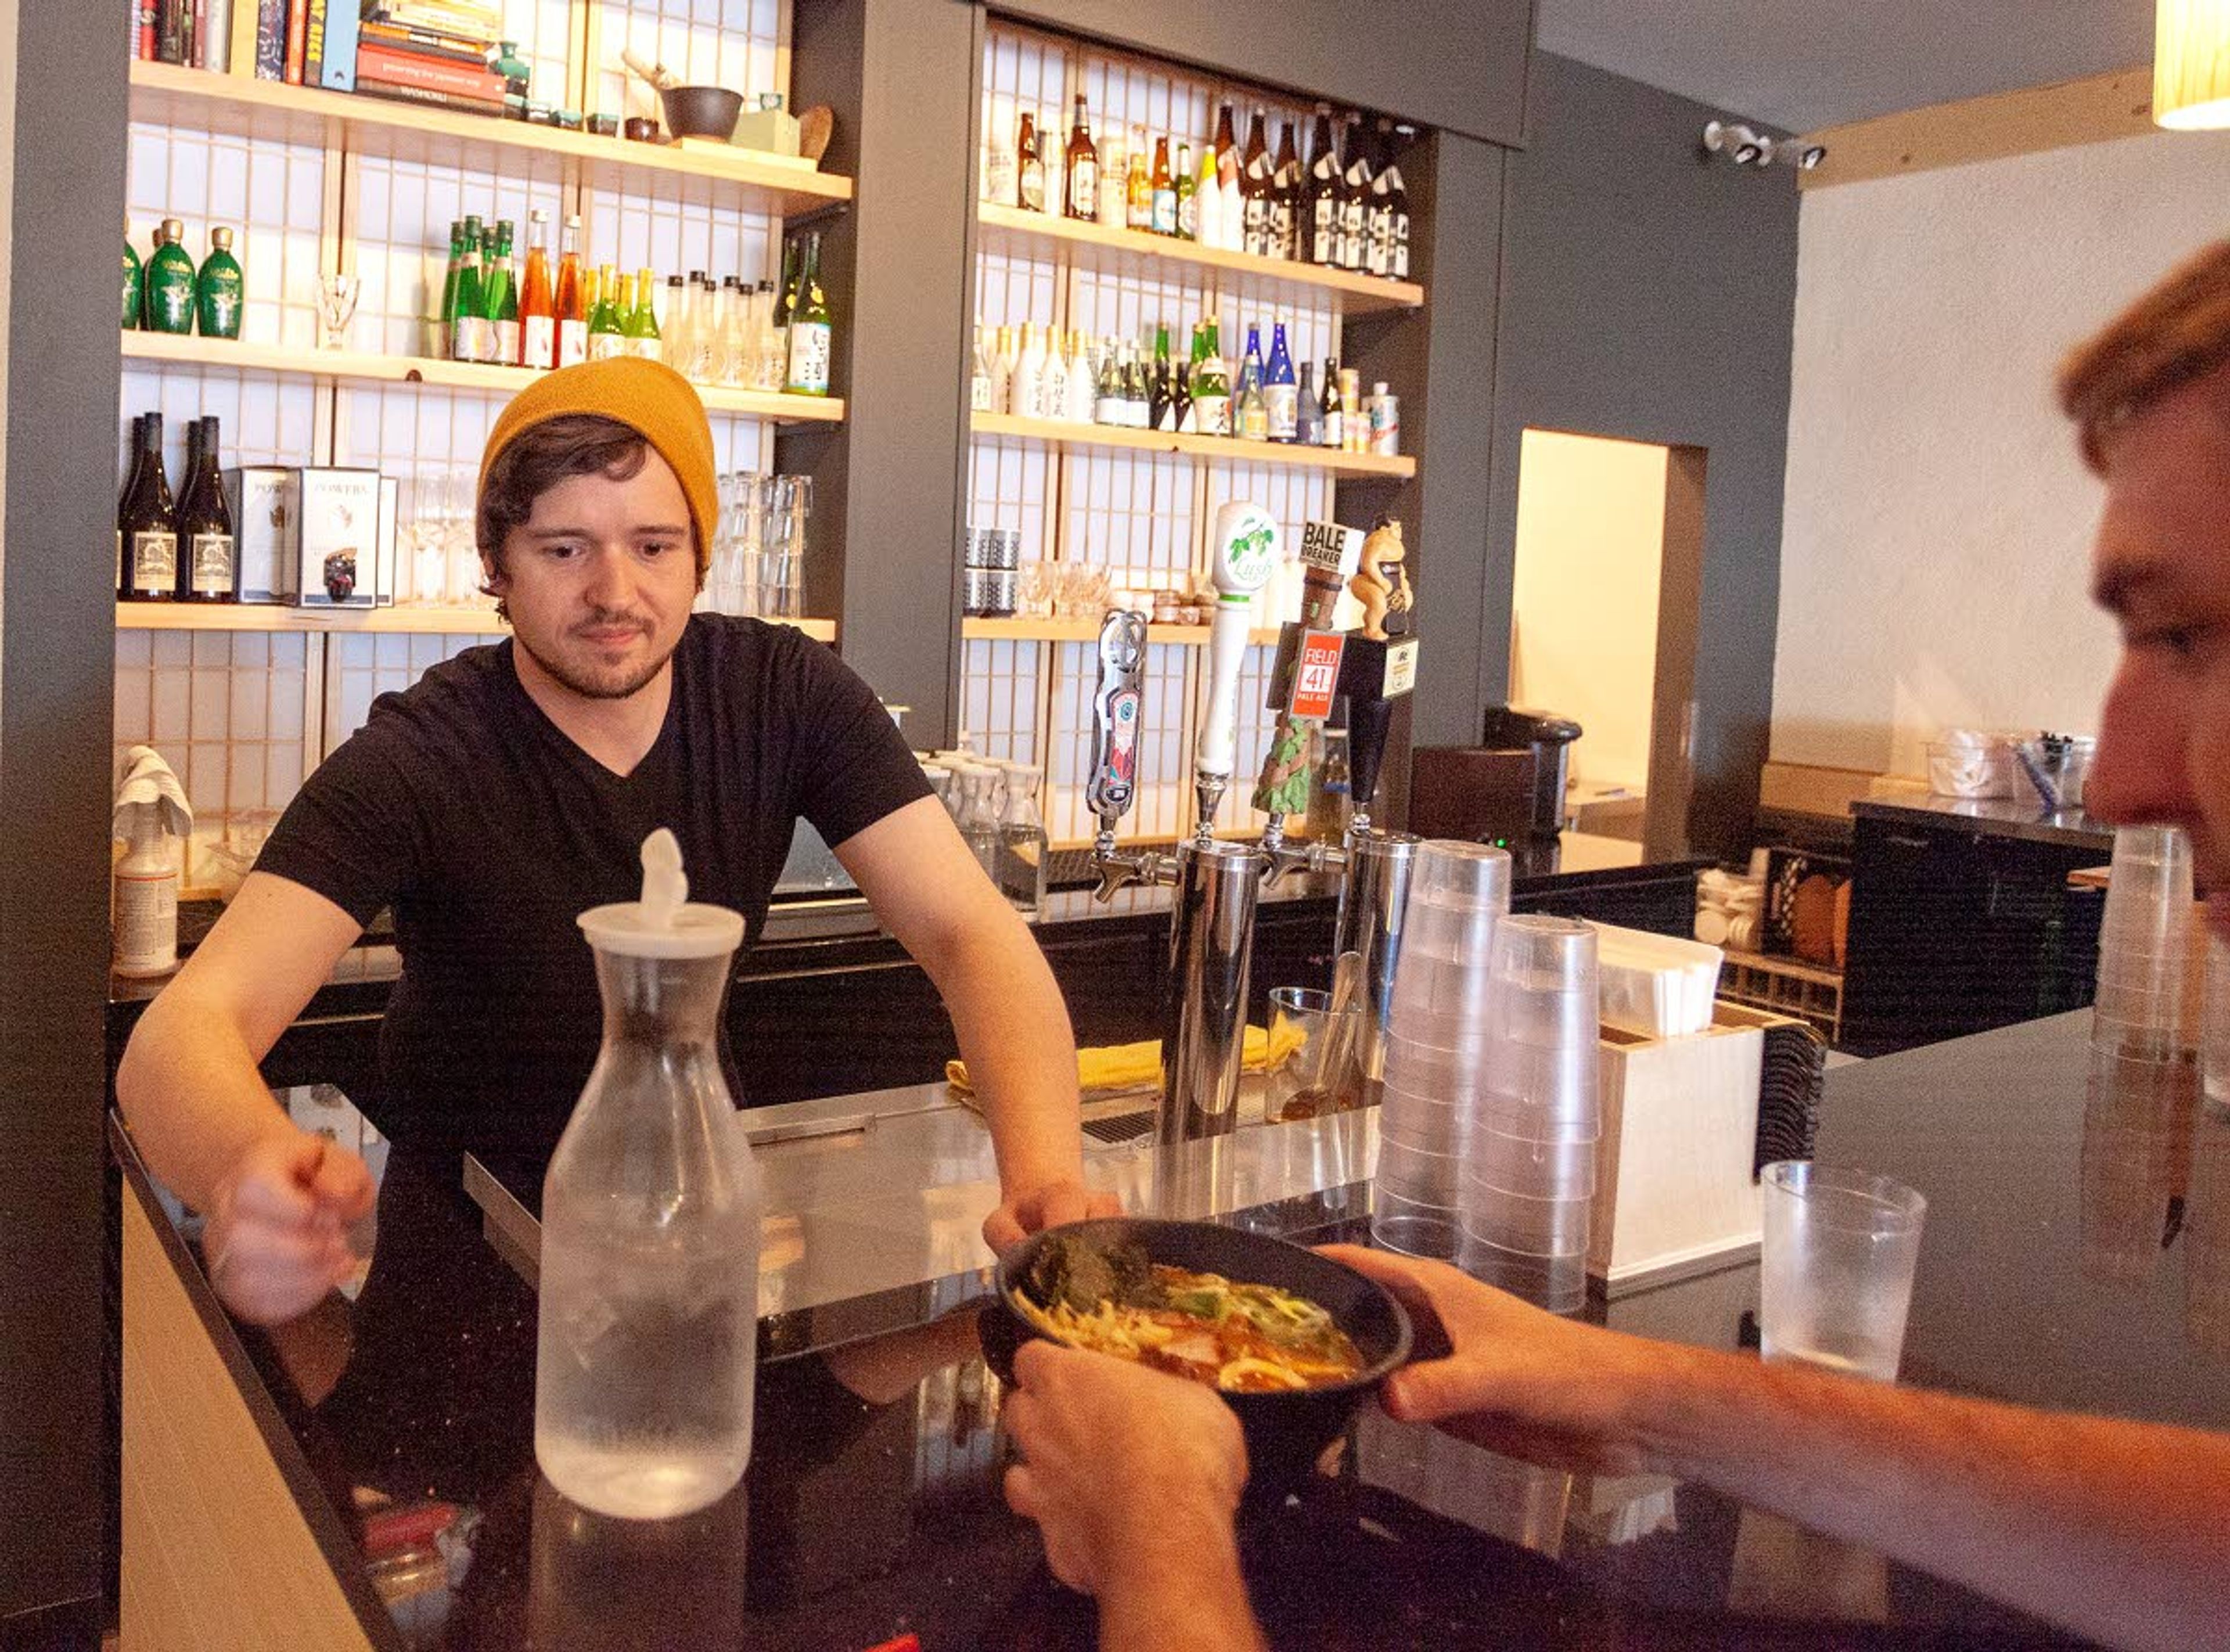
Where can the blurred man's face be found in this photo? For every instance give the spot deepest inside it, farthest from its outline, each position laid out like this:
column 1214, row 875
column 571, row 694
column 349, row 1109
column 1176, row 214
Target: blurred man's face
column 2163, row 570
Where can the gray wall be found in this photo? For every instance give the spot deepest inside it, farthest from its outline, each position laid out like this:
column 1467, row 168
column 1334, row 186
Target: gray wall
column 55, row 665
column 1650, row 294
column 1458, row 64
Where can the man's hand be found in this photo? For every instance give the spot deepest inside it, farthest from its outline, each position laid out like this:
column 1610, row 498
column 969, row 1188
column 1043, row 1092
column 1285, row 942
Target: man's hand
column 1130, row 1472
column 1520, row 1381
column 277, row 1238
column 1046, row 1205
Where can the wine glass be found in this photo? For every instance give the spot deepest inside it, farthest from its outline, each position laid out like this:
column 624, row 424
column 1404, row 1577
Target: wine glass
column 336, row 297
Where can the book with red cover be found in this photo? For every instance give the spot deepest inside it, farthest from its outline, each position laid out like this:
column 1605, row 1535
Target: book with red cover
column 298, row 38
column 373, row 86
column 429, row 73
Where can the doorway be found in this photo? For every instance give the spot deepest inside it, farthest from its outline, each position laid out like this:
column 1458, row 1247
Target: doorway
column 1604, row 603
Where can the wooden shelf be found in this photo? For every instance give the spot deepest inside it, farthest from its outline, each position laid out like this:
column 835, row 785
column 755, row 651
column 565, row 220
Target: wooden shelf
column 1057, row 433
column 1088, row 630
column 1011, row 231
column 362, row 367
column 428, row 621
column 239, row 106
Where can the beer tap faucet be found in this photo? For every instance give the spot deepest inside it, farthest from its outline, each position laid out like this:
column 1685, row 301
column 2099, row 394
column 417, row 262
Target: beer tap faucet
column 1243, row 556
column 1115, row 707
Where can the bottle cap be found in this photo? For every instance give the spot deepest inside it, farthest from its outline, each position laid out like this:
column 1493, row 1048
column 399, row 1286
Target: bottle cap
column 174, row 228
column 665, row 923
column 222, row 240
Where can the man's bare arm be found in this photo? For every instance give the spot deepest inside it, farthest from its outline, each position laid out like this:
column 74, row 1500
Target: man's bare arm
column 1007, row 1010
column 2113, row 1528
column 279, row 1200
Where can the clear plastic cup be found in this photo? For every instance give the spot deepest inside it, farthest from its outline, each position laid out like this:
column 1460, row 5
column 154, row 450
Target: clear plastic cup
column 1546, row 1227
column 2148, row 892
column 1441, row 1037
column 1536, row 953
column 2214, row 1029
column 1451, row 1075
column 1451, row 873
column 1433, row 1176
column 1836, row 1267
column 1320, row 1073
column 1558, row 1283
column 1459, row 995
column 1501, row 1162
column 1455, row 935
column 1414, row 1227
column 1548, row 1020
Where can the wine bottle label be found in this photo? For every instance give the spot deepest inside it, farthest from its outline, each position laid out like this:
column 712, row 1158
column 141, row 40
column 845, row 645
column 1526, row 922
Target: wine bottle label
column 540, row 334
column 471, row 339
column 220, row 296
column 1188, row 216
column 506, row 342
column 603, row 346
column 171, row 307
column 1284, row 403
column 1324, row 234
column 1165, row 212
column 572, row 343
column 210, row 564
column 808, row 358
column 1211, row 414
column 154, row 561
column 1335, row 431
column 1032, row 192
column 1084, row 188
column 1401, row 249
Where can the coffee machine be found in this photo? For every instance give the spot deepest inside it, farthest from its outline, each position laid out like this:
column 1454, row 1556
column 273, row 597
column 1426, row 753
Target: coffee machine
column 1508, row 790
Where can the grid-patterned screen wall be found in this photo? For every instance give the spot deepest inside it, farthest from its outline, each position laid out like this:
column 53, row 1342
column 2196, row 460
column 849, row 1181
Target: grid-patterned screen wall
column 244, row 717
column 1144, row 517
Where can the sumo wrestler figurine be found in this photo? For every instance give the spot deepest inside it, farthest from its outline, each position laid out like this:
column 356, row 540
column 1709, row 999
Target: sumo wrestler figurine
column 1382, row 585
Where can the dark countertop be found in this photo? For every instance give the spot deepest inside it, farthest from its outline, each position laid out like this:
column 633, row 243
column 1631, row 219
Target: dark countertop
column 871, row 1505
column 1995, row 817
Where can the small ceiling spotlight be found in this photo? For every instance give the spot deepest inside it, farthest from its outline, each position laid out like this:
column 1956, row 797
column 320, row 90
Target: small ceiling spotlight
column 1739, row 144
column 1745, row 146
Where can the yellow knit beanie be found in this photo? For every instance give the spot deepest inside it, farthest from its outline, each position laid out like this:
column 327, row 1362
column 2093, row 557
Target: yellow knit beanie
column 647, row 396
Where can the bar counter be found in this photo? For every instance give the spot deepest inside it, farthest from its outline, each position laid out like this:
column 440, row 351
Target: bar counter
column 871, row 1509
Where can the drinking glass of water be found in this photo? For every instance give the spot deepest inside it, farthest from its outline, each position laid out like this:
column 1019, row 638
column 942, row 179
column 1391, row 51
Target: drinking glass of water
column 1836, row 1268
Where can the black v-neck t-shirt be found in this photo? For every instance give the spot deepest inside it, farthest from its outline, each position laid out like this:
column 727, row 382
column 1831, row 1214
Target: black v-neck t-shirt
column 461, row 807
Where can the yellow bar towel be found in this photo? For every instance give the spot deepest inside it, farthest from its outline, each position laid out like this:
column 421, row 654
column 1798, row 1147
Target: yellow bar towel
column 1132, row 1066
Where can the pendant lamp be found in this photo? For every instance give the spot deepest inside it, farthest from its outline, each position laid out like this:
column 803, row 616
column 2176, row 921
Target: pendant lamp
column 2191, row 64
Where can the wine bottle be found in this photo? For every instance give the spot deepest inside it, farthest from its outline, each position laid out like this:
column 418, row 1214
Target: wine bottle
column 131, row 469
column 1280, row 395
column 1308, row 413
column 811, row 335
column 1404, row 135
column 570, row 305
column 606, row 336
column 208, row 570
column 1378, row 234
column 169, row 281
column 220, row 290
column 1162, row 219
column 133, row 297
column 1139, row 187
column 1211, row 384
column 468, row 305
column 1334, row 432
column 501, row 301
column 1320, row 194
column 1160, row 391
column 1081, row 170
column 538, row 305
column 1186, row 187
column 151, row 524
column 1029, row 166
column 641, row 325
column 1355, row 198
column 1255, row 187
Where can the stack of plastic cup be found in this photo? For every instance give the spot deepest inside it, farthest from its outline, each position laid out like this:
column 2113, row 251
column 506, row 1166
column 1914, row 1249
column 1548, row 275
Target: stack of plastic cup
column 1529, row 1169
column 2146, row 1003
column 1438, row 1024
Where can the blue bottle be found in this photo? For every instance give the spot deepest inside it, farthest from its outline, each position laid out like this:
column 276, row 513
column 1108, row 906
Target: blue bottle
column 1250, row 406
column 1281, row 394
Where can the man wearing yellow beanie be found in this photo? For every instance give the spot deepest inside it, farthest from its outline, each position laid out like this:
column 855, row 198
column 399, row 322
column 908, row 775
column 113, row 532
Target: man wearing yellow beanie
column 510, row 789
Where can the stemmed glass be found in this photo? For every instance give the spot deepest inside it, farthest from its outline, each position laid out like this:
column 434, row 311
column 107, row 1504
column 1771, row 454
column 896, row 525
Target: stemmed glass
column 337, row 296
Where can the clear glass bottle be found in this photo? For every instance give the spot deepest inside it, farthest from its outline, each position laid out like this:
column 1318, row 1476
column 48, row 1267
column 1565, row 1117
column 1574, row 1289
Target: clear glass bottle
column 979, row 816
column 1022, row 842
column 650, row 1227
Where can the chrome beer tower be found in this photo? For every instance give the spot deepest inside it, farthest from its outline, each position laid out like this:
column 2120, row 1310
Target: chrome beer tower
column 1219, row 883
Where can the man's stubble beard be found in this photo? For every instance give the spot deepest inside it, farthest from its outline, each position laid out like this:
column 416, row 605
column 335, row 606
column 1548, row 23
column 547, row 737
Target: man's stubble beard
column 594, row 690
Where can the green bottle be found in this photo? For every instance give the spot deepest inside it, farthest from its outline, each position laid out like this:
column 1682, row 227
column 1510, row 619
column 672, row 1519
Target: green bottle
column 170, row 282
column 132, row 298
column 642, row 324
column 448, row 311
column 468, row 312
column 606, row 336
column 811, row 334
column 220, row 289
column 1211, row 383
column 503, row 299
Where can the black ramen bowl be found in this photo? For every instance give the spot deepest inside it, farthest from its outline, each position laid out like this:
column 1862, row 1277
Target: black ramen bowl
column 1286, row 1431
column 701, row 111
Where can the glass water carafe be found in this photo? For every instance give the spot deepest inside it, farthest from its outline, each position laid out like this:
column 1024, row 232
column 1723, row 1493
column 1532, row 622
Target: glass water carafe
column 1022, row 842
column 979, row 816
column 650, row 1236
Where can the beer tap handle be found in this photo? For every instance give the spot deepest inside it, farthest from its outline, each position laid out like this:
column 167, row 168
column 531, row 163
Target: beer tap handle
column 1244, row 555
column 1114, row 780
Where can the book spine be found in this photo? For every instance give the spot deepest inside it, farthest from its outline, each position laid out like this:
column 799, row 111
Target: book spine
column 271, row 40
column 338, row 70
column 247, row 36
column 405, row 68
column 425, row 42
column 313, row 43
column 144, row 29
column 197, row 31
column 216, row 35
column 298, row 40
column 367, row 85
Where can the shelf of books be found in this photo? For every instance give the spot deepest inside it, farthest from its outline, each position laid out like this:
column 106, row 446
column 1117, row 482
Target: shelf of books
column 402, row 620
column 242, row 106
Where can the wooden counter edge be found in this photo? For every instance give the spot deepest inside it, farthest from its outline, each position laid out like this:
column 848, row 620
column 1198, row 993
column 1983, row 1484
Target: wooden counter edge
column 218, row 1550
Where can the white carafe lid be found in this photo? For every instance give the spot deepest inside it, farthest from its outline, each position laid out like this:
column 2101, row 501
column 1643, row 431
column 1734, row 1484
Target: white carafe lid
column 665, row 923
